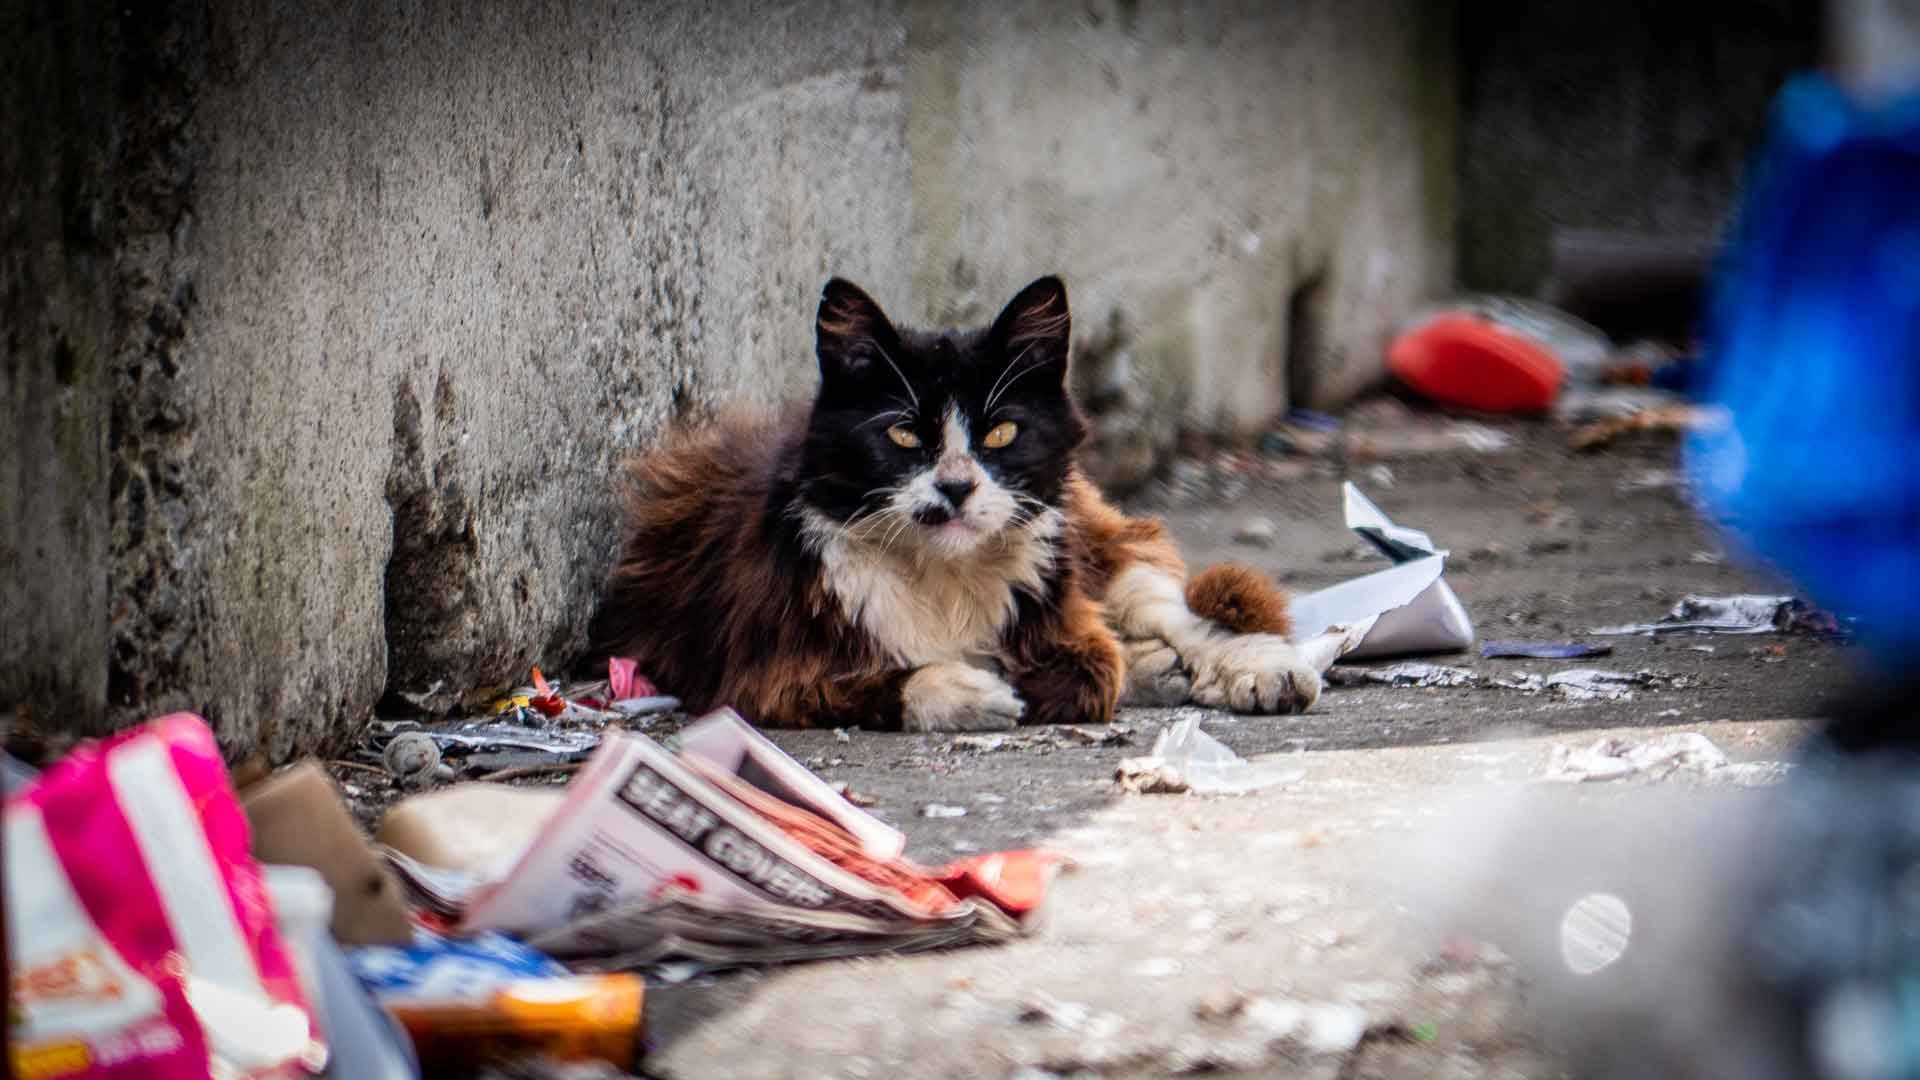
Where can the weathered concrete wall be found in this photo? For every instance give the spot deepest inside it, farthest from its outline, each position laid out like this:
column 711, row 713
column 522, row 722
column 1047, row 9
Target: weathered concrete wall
column 1636, row 117
column 57, row 230
column 1243, row 197
column 400, row 283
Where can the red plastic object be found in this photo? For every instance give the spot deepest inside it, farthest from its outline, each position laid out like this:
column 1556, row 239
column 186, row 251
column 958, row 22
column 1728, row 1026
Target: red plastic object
column 1472, row 362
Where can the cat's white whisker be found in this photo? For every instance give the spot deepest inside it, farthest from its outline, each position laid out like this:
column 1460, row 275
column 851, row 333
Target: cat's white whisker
column 888, row 415
column 1029, row 369
column 896, row 370
column 993, row 392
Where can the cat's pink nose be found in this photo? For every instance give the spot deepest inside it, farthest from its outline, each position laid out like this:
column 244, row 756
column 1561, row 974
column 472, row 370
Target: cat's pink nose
column 956, row 491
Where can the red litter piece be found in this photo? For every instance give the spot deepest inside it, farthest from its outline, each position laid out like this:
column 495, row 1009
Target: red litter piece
column 1477, row 364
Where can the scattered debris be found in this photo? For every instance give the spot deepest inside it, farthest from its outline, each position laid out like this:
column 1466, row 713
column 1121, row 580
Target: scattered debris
column 641, row 708
column 857, row 798
column 1187, row 759
column 1587, row 405
column 460, row 739
column 1542, row 650
column 533, row 769
column 1743, row 614
column 1255, row 532
column 1651, row 480
column 1613, row 758
column 1594, row 684
column 1043, row 1008
column 941, row 810
column 1579, row 684
column 1046, row 738
column 1409, row 674
column 1599, row 433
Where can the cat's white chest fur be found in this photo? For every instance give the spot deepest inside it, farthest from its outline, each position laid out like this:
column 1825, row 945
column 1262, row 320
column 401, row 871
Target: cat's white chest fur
column 921, row 609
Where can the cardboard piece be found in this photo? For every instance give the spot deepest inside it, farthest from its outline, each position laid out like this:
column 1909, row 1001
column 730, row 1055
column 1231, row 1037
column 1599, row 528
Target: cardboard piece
column 1406, row 609
column 298, row 818
column 478, row 827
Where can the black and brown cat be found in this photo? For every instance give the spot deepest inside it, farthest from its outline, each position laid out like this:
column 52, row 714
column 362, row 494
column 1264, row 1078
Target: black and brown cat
column 919, row 550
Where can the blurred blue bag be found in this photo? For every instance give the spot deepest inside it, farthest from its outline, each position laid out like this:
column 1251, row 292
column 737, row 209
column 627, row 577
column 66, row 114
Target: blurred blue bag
column 1813, row 362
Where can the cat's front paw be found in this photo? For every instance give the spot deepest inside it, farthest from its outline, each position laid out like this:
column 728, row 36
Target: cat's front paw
column 958, row 697
column 1155, row 676
column 1255, row 673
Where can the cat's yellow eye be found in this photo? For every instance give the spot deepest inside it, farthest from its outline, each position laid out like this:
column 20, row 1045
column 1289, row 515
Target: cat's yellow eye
column 1002, row 434
column 903, row 438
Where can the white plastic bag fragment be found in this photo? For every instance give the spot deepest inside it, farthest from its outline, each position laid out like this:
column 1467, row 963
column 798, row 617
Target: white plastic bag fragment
column 1185, row 758
column 1403, row 610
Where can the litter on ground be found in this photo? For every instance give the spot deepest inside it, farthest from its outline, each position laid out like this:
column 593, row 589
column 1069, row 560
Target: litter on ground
column 1187, row 759
column 1691, row 752
column 1744, row 614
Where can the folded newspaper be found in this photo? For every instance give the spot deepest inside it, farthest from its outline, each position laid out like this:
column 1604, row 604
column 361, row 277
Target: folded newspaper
column 1405, row 609
column 725, row 854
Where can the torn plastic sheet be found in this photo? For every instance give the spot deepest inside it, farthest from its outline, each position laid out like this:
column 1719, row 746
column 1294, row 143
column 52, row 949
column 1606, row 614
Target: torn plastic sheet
column 1402, row 610
column 1744, row 614
column 1185, row 758
column 1594, row 684
column 1688, row 751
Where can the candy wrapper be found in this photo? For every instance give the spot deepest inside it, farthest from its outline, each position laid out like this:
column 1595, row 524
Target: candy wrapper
column 140, row 936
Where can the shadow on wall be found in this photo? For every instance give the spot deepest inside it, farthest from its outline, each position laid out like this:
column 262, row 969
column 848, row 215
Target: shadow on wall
column 1635, row 117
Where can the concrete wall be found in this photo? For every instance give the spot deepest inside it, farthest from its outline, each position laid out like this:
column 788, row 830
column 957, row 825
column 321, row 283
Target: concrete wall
column 326, row 323
column 402, row 281
column 57, row 237
column 1242, row 196
column 1635, row 116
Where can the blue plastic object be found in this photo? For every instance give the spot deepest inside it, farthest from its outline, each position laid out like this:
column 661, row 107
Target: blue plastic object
column 1813, row 356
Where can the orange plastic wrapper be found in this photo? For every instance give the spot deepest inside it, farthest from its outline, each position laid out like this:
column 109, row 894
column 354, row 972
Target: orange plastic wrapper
column 582, row 1018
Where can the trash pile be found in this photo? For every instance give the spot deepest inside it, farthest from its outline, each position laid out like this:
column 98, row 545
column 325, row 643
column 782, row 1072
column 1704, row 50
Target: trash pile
column 163, row 924
column 1574, row 684
column 1497, row 354
column 534, row 729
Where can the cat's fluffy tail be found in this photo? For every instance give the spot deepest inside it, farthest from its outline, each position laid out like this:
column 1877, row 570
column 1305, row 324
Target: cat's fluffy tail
column 1240, row 598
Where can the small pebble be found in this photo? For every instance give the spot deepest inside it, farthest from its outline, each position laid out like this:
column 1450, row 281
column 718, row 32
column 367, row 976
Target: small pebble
column 1255, row 532
column 413, row 758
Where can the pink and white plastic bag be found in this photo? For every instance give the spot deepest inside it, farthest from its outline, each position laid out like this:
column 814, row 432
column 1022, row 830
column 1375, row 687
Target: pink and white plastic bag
column 139, row 932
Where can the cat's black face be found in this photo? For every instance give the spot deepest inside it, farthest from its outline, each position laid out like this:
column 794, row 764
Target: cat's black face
column 940, row 440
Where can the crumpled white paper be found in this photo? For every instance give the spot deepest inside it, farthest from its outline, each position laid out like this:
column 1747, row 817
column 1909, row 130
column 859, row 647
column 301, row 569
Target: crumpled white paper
column 1405, row 609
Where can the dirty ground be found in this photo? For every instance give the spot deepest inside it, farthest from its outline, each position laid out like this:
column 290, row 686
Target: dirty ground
column 1197, row 929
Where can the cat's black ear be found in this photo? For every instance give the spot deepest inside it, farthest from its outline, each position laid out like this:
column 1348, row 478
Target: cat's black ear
column 1035, row 326
column 851, row 333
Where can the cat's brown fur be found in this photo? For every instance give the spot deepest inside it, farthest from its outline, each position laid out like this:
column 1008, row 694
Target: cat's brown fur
column 766, row 638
